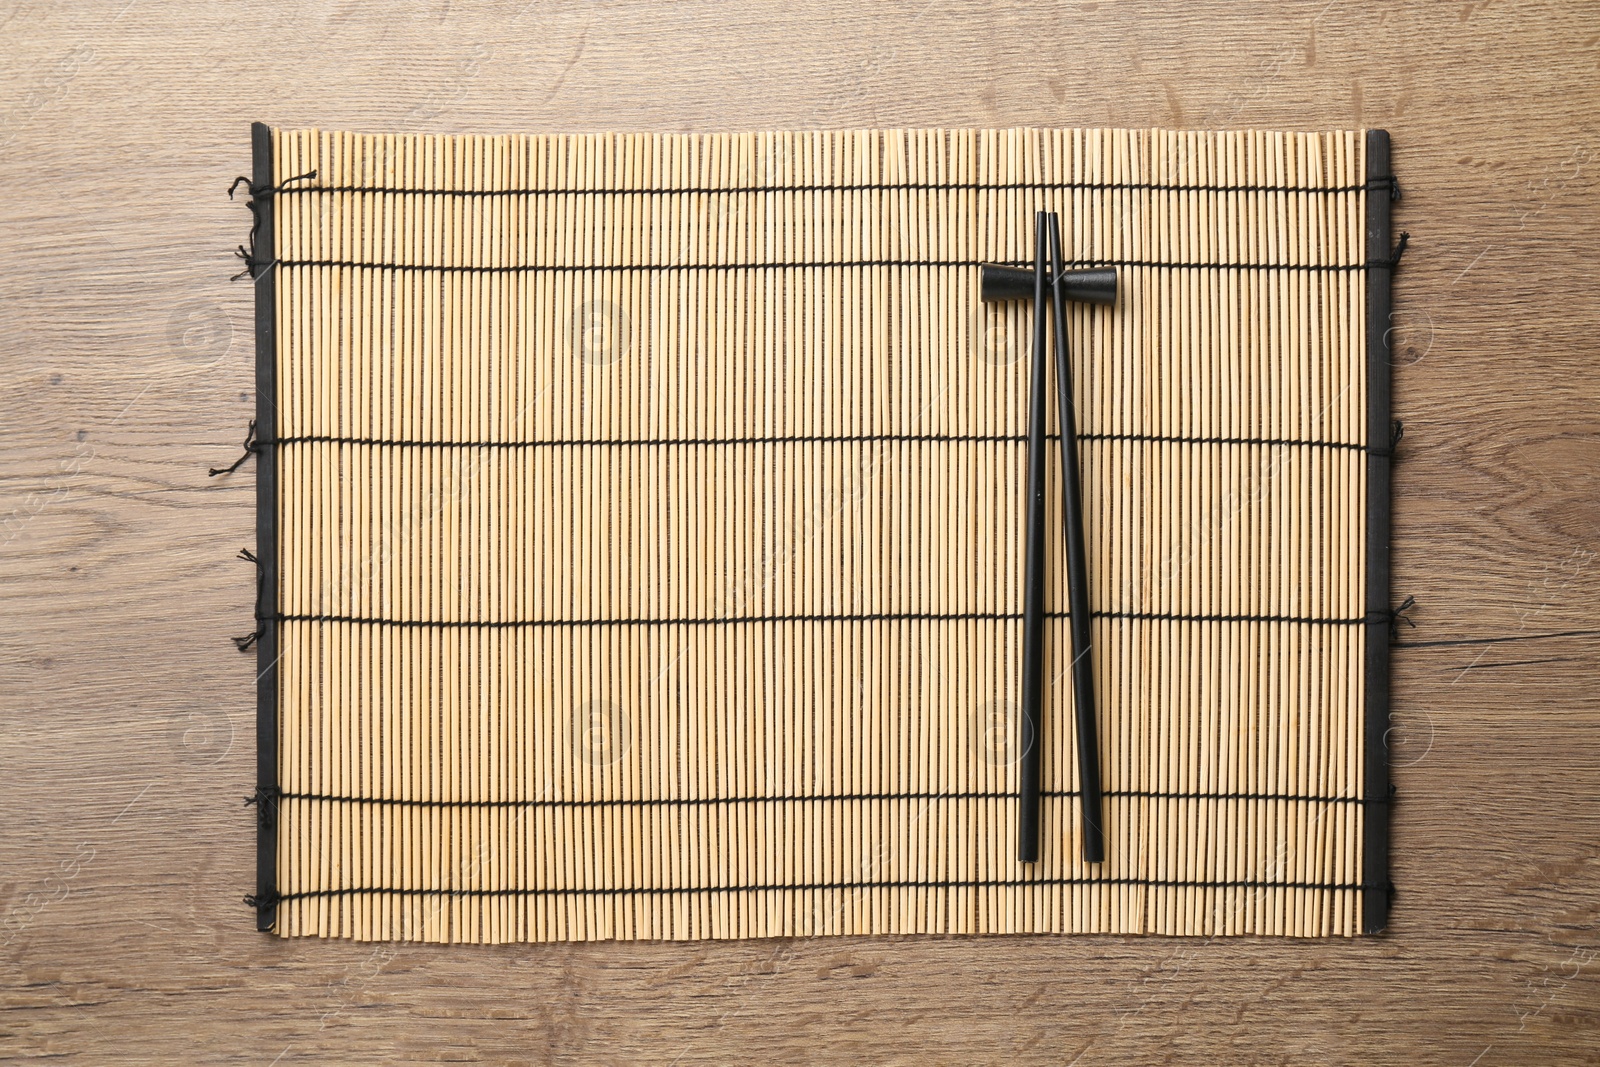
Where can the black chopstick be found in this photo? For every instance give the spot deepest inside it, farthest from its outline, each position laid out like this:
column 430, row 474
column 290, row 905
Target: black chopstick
column 1089, row 790
column 1032, row 717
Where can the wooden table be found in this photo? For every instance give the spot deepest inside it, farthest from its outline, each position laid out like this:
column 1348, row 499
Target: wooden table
column 127, row 734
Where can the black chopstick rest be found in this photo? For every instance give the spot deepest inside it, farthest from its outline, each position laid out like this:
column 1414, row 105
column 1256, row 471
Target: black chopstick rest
column 997, row 282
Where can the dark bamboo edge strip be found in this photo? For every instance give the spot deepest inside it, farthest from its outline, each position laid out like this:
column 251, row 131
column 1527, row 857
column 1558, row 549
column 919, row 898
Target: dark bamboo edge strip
column 1379, row 305
column 266, row 301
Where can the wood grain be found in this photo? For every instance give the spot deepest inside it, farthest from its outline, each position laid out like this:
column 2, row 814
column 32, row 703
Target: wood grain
column 126, row 734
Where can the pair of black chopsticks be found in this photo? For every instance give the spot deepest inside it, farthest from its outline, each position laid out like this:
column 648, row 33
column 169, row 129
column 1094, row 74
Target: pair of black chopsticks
column 1051, row 288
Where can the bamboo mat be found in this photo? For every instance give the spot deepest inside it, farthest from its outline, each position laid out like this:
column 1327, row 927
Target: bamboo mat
column 642, row 519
